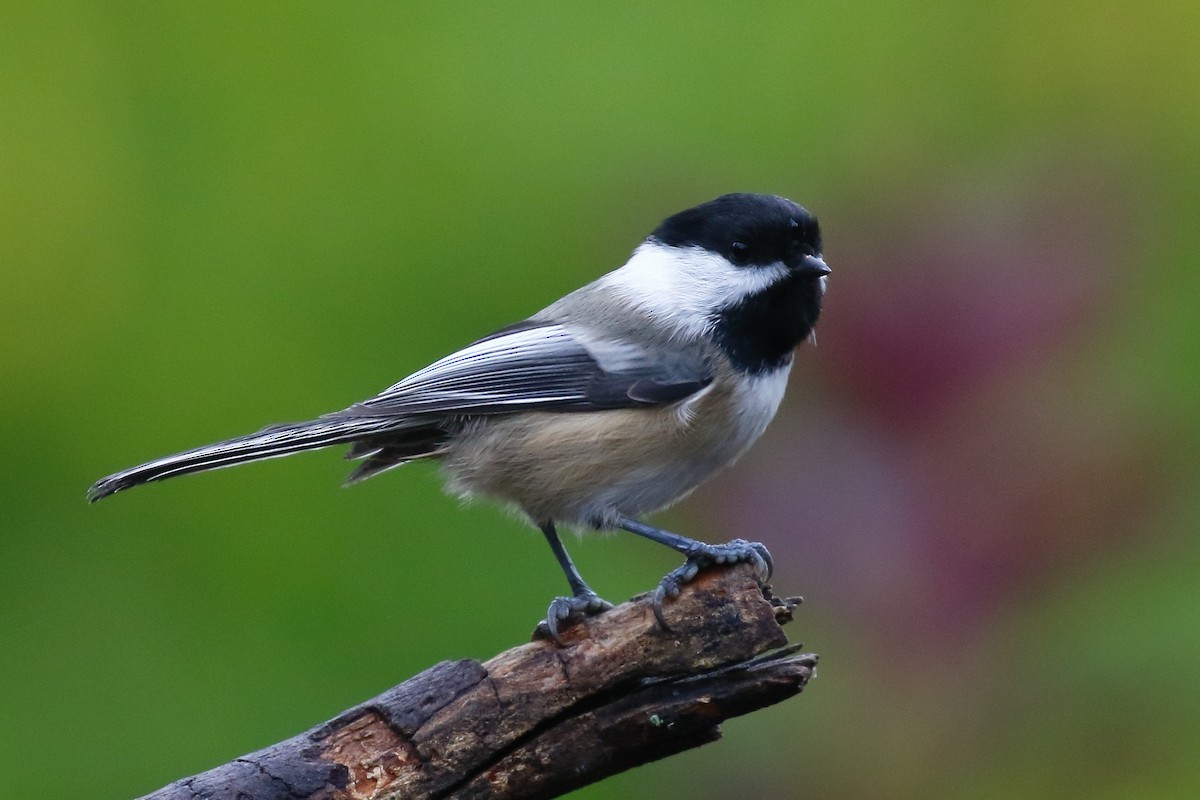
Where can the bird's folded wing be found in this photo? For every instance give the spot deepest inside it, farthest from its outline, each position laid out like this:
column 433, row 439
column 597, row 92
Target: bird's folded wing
column 536, row 365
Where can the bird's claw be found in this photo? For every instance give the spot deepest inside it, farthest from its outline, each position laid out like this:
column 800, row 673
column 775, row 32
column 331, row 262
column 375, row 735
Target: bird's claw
column 563, row 608
column 706, row 555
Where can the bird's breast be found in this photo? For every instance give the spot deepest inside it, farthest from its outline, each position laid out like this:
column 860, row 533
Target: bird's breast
column 587, row 467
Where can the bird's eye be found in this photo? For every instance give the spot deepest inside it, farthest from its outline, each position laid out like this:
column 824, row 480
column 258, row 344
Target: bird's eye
column 739, row 252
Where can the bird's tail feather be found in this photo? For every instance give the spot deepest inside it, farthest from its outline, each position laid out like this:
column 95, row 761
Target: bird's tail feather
column 271, row 442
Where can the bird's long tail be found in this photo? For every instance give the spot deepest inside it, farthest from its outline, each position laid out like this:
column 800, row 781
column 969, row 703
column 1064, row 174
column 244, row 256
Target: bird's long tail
column 271, row 442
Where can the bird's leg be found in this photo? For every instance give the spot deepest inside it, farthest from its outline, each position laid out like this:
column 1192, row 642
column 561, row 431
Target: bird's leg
column 699, row 555
column 582, row 599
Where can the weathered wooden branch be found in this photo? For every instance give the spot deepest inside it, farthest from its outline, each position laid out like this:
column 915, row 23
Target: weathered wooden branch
column 539, row 720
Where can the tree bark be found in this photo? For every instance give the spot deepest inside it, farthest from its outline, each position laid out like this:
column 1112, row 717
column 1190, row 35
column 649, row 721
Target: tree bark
column 539, row 720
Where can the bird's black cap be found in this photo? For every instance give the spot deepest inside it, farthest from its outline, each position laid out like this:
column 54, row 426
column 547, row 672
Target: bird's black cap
column 747, row 229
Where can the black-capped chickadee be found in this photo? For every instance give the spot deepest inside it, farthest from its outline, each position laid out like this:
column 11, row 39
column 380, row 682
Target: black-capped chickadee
column 611, row 403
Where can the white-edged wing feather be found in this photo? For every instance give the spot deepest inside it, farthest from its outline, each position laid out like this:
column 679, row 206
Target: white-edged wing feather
column 539, row 365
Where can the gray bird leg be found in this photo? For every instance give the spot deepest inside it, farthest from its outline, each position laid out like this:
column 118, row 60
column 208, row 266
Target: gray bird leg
column 699, row 555
column 582, row 600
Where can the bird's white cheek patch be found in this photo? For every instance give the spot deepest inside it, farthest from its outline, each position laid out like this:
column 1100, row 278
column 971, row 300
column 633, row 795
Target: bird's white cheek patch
column 685, row 285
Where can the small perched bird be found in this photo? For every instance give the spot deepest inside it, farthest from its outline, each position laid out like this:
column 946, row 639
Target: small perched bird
column 611, row 403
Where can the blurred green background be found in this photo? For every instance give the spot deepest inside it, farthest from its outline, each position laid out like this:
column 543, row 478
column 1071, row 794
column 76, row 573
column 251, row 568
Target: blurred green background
column 984, row 479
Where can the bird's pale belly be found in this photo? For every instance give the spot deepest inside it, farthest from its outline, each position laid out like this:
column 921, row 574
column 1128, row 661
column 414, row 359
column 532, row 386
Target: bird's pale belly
column 588, row 468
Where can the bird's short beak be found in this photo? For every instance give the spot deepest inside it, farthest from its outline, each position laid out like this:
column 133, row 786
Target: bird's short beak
column 814, row 266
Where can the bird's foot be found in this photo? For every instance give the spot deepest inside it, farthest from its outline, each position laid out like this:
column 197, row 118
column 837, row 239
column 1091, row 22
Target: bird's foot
column 701, row 556
column 586, row 603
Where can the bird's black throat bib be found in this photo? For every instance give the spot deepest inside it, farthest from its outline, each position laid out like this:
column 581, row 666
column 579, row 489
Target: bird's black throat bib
column 759, row 333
